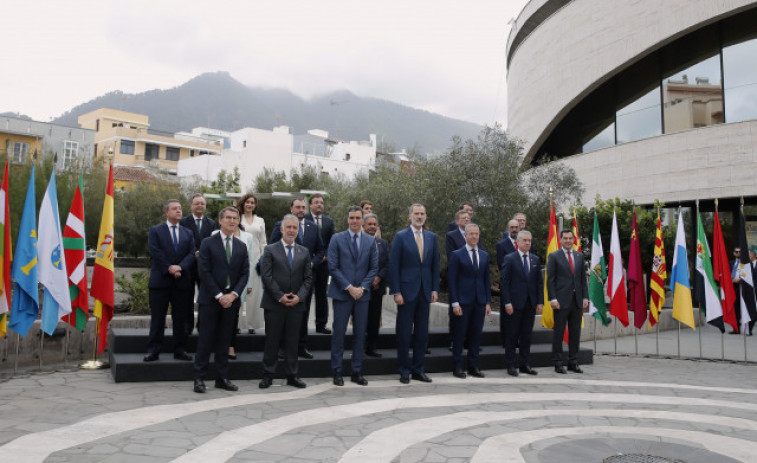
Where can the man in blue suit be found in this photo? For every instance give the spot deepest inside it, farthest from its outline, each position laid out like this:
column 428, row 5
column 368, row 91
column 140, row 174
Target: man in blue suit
column 455, row 239
column 353, row 263
column 378, row 286
column 467, row 207
column 308, row 236
column 321, row 271
column 224, row 270
column 508, row 244
column 172, row 249
column 414, row 282
column 521, row 298
column 470, row 297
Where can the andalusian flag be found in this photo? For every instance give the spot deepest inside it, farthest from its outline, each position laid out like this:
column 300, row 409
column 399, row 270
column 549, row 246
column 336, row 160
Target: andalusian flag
column 103, row 280
column 659, row 274
column 707, row 290
column 616, row 281
column 597, row 277
column 721, row 269
column 638, row 298
column 744, row 272
column 6, row 255
column 683, row 310
column 76, row 260
column 547, row 314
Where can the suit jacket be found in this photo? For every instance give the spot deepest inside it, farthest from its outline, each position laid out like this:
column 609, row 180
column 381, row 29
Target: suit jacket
column 518, row 287
column 160, row 245
column 214, row 270
column 469, row 285
column 311, row 239
column 279, row 278
column 382, row 248
column 534, row 247
column 452, row 226
column 564, row 285
column 407, row 274
column 347, row 270
column 327, row 229
column 454, row 241
column 504, row 248
column 208, row 225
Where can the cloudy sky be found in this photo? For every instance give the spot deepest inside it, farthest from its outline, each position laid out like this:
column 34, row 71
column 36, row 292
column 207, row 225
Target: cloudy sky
column 444, row 56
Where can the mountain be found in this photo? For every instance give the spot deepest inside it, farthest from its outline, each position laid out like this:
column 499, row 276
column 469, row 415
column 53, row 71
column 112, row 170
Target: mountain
column 219, row 101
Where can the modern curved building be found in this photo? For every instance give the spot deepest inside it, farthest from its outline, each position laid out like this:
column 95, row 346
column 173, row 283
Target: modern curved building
column 645, row 99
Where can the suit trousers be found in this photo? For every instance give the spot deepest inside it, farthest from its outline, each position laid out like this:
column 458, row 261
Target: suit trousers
column 181, row 303
column 342, row 312
column 374, row 319
column 412, row 327
column 519, row 326
column 282, row 326
column 570, row 316
column 468, row 326
column 303, row 341
column 320, row 285
column 215, row 336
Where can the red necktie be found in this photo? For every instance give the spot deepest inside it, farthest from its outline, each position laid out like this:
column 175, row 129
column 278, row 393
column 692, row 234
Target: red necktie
column 516, row 245
column 570, row 261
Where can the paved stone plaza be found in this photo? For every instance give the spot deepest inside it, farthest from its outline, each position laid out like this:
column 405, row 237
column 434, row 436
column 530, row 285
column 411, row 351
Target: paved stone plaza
column 692, row 411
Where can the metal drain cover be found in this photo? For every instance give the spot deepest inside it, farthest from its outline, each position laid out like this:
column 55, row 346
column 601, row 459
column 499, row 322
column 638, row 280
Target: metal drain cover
column 639, row 458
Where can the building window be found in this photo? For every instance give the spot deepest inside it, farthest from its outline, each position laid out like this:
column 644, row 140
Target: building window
column 151, row 151
column 172, row 154
column 244, row 143
column 191, row 153
column 640, row 119
column 70, row 153
column 740, row 81
column 693, row 97
column 20, row 151
column 127, row 147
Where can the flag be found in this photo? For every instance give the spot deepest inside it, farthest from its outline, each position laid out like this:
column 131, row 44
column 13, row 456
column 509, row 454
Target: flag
column 683, row 310
column 76, row 261
column 103, row 281
column 6, row 255
column 51, row 268
column 576, row 236
column 597, row 277
column 658, row 276
column 638, row 298
column 707, row 289
column 25, row 304
column 746, row 285
column 721, row 270
column 547, row 314
column 616, row 285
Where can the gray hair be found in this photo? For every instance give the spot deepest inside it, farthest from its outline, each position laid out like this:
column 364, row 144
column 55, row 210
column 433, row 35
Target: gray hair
column 370, row 216
column 470, row 226
column 413, row 206
column 523, row 234
column 289, row 217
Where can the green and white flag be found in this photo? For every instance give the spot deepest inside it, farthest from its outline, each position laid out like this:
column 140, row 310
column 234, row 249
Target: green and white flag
column 597, row 277
column 707, row 290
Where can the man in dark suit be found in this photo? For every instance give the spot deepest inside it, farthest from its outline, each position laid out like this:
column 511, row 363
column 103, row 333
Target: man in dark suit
column 508, row 243
column 455, row 239
column 522, row 297
column 287, row 274
column 321, row 271
column 736, row 281
column 378, row 286
column 224, row 270
column 172, row 249
column 414, row 280
column 201, row 227
column 470, row 297
column 569, row 296
column 521, row 219
column 467, row 207
column 308, row 236
column 353, row 263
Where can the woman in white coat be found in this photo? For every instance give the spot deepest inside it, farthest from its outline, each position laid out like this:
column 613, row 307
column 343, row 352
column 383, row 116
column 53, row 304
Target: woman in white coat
column 255, row 226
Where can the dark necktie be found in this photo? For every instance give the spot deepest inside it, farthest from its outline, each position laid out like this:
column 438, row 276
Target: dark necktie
column 318, row 222
column 570, row 261
column 355, row 249
column 300, row 232
column 228, row 259
column 525, row 264
column 175, row 239
column 289, row 256
column 474, row 256
column 199, row 225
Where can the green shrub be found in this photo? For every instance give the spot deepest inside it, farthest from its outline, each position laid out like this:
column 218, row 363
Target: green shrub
column 135, row 287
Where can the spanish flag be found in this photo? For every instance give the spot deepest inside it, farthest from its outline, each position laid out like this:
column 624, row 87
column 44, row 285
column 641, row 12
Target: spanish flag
column 547, row 314
column 103, row 279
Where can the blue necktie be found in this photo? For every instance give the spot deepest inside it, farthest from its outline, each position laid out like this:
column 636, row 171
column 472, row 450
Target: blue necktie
column 475, row 258
column 289, row 256
column 525, row 265
column 300, row 233
column 175, row 239
column 355, row 249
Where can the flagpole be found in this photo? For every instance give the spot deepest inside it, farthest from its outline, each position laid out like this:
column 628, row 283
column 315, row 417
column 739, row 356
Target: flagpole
column 743, row 325
column 659, row 312
column 615, row 324
column 41, row 347
column 95, row 363
column 65, row 345
column 595, row 334
column 699, row 318
column 15, row 363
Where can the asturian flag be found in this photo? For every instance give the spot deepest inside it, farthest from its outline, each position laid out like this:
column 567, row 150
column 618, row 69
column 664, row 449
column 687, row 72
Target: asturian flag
column 52, row 273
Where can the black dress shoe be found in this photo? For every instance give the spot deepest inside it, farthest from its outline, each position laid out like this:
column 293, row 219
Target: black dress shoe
column 199, row 386
column 459, row 373
column 733, row 332
column 150, row 357
column 232, row 356
column 422, row 377
column 304, row 353
column 475, row 372
column 358, row 379
column 405, row 379
column 575, row 368
column 528, row 370
column 265, row 383
column 251, row 331
column 323, row 330
column 183, row 356
column 512, row 371
column 338, row 380
column 373, row 353
column 224, row 383
column 560, row 369
column 296, row 382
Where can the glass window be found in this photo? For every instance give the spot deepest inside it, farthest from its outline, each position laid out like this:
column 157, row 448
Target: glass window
column 151, row 152
column 127, row 147
column 70, row 152
column 640, row 119
column 740, row 81
column 20, row 151
column 693, row 97
column 603, row 139
column 172, row 154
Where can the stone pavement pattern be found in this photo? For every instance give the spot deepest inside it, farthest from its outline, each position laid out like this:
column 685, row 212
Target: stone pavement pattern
column 696, row 412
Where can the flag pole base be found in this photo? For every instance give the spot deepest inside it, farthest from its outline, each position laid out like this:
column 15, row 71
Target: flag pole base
column 94, row 365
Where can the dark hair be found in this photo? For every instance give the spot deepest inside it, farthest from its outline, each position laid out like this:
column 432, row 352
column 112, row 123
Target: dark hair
column 566, row 230
column 364, row 202
column 355, row 209
column 243, row 199
column 317, row 195
column 165, row 205
column 297, row 198
column 466, row 203
column 197, row 195
column 228, row 209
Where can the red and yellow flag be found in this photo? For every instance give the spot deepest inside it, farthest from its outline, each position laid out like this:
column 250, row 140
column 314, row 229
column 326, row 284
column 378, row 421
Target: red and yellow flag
column 547, row 314
column 76, row 261
column 6, row 254
column 576, row 235
column 103, row 279
column 659, row 274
